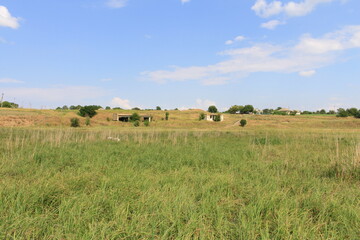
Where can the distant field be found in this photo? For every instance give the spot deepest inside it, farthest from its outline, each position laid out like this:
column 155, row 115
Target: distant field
column 281, row 177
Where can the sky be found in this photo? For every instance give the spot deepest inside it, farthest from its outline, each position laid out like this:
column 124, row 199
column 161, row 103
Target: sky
column 298, row 54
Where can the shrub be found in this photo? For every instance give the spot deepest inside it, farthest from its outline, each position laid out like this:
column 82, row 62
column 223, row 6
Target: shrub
column 88, row 111
column 167, row 116
column 243, row 122
column 108, row 119
column 212, row 109
column 202, row 116
column 87, row 121
column 146, row 123
column 217, row 118
column 135, row 117
column 74, row 122
column 136, row 123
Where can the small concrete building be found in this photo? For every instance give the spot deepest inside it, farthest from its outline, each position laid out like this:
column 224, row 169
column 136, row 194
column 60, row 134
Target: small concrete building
column 211, row 117
column 127, row 117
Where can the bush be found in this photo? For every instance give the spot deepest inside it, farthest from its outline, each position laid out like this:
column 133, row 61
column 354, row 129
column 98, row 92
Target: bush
column 146, row 123
column 74, row 122
column 87, row 121
column 108, row 119
column 202, row 116
column 136, row 123
column 217, row 118
column 88, row 111
column 243, row 122
column 212, row 109
column 135, row 117
column 167, row 116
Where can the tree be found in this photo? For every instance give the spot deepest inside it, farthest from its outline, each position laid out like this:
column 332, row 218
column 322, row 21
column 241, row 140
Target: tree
column 342, row 113
column 135, row 117
column 6, row 104
column 212, row 109
column 107, row 108
column 158, row 108
column 352, row 111
column 331, row 112
column 235, row 109
column 167, row 116
column 267, row 111
column 243, row 122
column 65, row 107
column 247, row 109
column 202, row 116
column 357, row 115
column 322, row 111
column 88, row 111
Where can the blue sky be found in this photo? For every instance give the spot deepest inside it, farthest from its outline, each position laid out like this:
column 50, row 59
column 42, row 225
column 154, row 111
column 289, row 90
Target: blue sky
column 301, row 54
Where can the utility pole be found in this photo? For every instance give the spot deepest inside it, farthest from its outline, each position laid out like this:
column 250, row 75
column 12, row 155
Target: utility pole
column 2, row 97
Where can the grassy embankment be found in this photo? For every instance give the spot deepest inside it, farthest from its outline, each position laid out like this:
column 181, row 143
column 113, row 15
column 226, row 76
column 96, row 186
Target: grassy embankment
column 271, row 180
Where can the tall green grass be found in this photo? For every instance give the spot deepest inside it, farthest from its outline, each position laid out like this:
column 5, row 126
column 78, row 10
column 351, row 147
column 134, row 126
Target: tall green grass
column 74, row 184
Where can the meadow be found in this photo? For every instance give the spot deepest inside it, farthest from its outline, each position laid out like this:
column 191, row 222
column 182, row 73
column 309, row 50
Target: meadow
column 277, row 178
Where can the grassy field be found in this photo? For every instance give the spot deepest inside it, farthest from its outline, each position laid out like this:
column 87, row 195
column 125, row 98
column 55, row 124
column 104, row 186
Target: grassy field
column 278, row 178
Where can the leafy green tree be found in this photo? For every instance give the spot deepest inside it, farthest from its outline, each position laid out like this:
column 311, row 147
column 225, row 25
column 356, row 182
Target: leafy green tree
column 136, row 109
column 212, row 109
column 158, row 108
column 6, row 104
column 331, row 112
column 267, row 111
column 247, row 109
column 243, row 122
column 65, row 107
column 235, row 109
column 88, row 111
column 352, row 111
column 357, row 115
column 135, row 117
column 342, row 113
column 107, row 108
column 322, row 111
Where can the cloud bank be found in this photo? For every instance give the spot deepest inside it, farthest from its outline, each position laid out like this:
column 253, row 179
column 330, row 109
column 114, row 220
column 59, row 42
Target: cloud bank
column 307, row 55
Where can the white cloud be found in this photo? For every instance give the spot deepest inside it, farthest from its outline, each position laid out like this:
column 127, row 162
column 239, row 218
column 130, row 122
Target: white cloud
column 6, row 20
column 184, row 1
column 291, row 9
column 307, row 73
column 9, row 80
column 272, row 24
column 309, row 53
column 118, row 102
column 204, row 103
column 237, row 39
column 116, row 3
column 346, row 38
